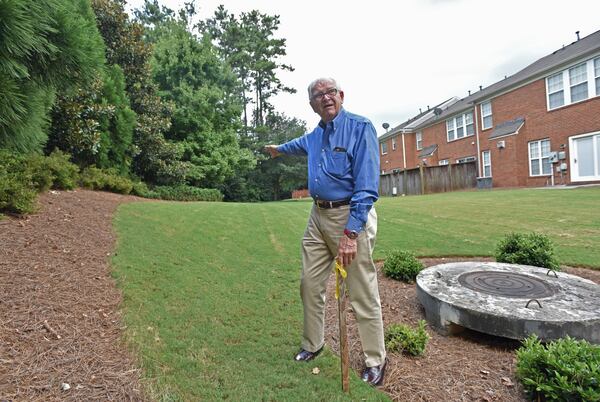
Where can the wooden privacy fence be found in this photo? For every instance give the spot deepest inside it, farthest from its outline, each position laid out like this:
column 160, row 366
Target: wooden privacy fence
column 429, row 179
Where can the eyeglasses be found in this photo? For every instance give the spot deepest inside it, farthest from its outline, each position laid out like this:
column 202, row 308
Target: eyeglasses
column 331, row 92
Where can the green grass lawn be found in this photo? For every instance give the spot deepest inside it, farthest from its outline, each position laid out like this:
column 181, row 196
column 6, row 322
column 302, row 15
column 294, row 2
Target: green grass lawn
column 211, row 295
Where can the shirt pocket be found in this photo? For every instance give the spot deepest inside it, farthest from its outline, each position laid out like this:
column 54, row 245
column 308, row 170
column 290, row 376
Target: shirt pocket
column 339, row 163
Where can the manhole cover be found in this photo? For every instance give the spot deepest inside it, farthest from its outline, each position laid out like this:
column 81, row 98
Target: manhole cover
column 505, row 284
column 510, row 300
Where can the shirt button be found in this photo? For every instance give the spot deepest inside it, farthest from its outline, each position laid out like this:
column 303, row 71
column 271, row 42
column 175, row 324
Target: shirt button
column 322, row 149
column 316, row 179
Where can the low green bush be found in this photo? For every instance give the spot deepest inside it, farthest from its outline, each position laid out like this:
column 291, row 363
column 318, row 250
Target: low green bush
column 107, row 180
column 402, row 265
column 140, row 189
column 17, row 190
column 527, row 249
column 402, row 338
column 65, row 174
column 185, row 193
column 563, row 370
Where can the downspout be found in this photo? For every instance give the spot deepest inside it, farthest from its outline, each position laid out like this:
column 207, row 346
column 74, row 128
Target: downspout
column 403, row 151
column 475, row 116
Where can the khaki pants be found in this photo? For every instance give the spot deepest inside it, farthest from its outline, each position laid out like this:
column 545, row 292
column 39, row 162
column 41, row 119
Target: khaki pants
column 319, row 249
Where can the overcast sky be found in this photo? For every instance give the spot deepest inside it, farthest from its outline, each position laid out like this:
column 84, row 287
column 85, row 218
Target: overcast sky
column 394, row 57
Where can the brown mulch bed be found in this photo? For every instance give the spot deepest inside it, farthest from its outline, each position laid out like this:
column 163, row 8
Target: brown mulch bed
column 60, row 321
column 59, row 306
column 470, row 366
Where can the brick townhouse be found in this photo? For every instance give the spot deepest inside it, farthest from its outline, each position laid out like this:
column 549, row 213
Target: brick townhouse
column 538, row 127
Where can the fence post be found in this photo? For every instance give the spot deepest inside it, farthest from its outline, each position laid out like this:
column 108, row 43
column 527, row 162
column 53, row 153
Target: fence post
column 450, row 176
column 422, row 174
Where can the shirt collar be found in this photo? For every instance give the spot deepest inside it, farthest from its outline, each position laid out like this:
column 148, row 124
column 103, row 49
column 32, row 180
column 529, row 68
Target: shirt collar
column 336, row 121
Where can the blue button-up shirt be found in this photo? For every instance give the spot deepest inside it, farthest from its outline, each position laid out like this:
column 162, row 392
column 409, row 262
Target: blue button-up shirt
column 343, row 163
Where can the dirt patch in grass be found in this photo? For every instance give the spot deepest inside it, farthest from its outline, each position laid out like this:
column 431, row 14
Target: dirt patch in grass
column 60, row 321
column 470, row 366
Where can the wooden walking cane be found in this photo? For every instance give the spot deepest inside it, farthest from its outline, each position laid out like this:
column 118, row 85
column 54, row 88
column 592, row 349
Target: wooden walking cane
column 340, row 295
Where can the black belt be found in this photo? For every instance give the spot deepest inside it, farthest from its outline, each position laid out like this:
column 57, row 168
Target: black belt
column 331, row 204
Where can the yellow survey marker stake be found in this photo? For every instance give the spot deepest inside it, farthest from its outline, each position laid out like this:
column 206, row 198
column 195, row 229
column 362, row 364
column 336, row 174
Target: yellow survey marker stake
column 340, row 295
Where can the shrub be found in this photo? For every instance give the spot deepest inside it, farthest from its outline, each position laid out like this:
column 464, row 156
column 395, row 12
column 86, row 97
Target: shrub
column 402, row 265
column 402, row 338
column 140, row 189
column 107, row 180
column 185, row 193
column 563, row 370
column 527, row 249
column 65, row 173
column 17, row 191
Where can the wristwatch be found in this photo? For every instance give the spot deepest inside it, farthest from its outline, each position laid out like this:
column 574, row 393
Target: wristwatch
column 351, row 234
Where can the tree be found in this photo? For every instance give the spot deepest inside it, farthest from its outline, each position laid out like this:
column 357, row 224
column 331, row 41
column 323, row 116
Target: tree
column 248, row 45
column 273, row 179
column 155, row 159
column 46, row 46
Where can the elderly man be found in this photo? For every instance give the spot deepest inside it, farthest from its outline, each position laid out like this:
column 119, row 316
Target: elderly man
column 343, row 175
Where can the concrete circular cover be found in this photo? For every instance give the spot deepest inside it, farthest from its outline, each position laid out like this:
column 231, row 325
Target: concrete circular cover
column 510, row 300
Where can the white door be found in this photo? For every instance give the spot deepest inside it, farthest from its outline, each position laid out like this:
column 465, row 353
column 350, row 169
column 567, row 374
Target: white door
column 585, row 157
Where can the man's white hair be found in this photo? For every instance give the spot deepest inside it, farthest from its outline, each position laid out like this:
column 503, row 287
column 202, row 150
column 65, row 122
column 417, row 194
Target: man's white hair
column 327, row 80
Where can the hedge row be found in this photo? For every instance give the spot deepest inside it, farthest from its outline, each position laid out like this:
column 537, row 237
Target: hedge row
column 23, row 177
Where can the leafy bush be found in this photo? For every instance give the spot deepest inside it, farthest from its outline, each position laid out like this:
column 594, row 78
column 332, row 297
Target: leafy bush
column 402, row 265
column 140, row 189
column 17, row 191
column 65, row 174
column 563, row 370
column 107, row 180
column 527, row 249
column 400, row 337
column 185, row 193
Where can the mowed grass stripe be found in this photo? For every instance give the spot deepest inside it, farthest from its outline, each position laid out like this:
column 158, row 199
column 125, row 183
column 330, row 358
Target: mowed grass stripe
column 211, row 289
column 212, row 304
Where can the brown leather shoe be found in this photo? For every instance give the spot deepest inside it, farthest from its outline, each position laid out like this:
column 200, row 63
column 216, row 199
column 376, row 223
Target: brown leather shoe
column 305, row 355
column 374, row 375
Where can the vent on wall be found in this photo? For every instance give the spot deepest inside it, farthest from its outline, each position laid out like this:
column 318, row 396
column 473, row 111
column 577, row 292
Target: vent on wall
column 501, row 144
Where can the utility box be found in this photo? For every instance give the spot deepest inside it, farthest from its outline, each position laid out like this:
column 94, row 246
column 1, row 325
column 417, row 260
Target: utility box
column 553, row 157
column 562, row 155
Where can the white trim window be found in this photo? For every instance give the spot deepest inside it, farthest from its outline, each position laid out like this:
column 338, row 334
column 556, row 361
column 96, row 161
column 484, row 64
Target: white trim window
column 419, row 138
column 443, row 162
column 384, row 148
column 460, row 126
column 574, row 84
column 539, row 158
column 486, row 115
column 394, row 143
column 466, row 159
column 486, row 161
column 555, row 91
column 578, row 83
column 597, row 75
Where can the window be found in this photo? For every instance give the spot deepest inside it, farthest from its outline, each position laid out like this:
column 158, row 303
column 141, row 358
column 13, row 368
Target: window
column 384, row 148
column 466, row 159
column 487, row 163
column 419, row 141
column 393, row 143
column 539, row 158
column 578, row 82
column 597, row 75
column 460, row 126
column 556, row 96
column 450, row 129
column 486, row 115
column 574, row 84
column 443, row 162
